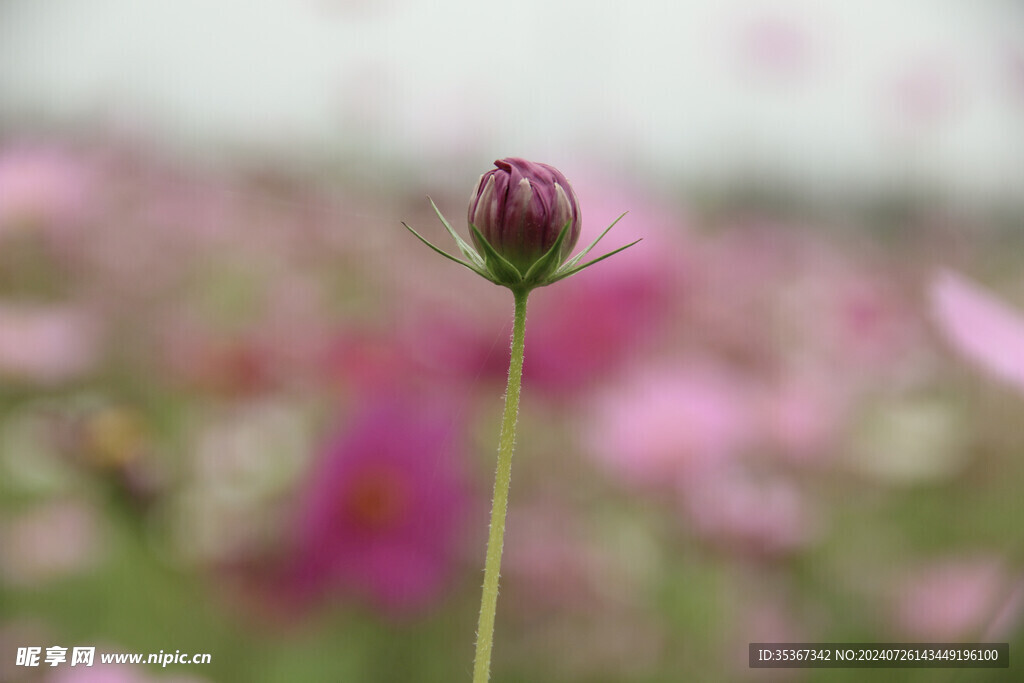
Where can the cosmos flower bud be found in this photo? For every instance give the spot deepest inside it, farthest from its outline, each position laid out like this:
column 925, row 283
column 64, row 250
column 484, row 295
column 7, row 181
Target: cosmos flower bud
column 520, row 208
column 524, row 220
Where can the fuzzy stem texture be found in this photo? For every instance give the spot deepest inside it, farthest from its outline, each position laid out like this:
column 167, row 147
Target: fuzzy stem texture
column 499, row 507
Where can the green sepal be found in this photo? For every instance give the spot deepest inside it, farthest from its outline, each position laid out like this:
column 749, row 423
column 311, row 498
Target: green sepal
column 568, row 265
column 548, row 263
column 502, row 272
column 478, row 270
column 467, row 250
column 494, row 267
column 562, row 274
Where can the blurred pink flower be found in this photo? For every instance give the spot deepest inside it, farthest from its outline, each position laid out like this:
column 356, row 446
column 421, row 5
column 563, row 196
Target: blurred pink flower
column 286, row 344
column 1009, row 615
column 738, row 513
column 848, row 318
column 980, row 327
column 382, row 513
column 213, row 360
column 112, row 673
column 926, row 92
column 951, row 599
column 775, row 46
column 663, row 425
column 870, row 322
column 50, row 541
column 425, row 345
column 735, row 285
column 1015, row 72
column 467, row 345
column 42, row 184
column 801, row 417
column 100, row 673
column 47, row 344
column 366, row 360
column 764, row 614
column 554, row 562
column 767, row 618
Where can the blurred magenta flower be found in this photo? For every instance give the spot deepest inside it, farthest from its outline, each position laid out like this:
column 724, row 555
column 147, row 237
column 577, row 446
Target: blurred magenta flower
column 520, row 208
column 381, row 516
column 604, row 321
column 980, row 327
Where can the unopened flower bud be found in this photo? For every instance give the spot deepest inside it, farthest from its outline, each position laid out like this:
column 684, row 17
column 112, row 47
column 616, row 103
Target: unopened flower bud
column 524, row 220
column 520, row 208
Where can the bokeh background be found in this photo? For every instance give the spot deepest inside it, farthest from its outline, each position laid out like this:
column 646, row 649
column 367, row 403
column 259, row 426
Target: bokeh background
column 244, row 413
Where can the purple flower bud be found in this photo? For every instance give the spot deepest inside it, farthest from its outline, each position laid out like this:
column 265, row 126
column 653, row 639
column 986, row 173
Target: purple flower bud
column 520, row 208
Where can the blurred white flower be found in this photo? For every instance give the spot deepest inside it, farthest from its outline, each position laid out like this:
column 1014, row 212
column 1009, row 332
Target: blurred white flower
column 910, row 441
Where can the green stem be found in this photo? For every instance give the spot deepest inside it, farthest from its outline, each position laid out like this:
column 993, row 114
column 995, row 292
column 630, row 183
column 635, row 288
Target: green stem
column 496, row 539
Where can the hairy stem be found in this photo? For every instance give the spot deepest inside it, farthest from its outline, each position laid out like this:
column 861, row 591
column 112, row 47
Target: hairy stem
column 496, row 538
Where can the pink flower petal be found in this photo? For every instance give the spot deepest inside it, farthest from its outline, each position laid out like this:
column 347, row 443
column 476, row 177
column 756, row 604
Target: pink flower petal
column 985, row 330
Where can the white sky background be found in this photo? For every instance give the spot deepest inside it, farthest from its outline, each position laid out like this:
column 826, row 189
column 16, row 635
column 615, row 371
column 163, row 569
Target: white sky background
column 661, row 87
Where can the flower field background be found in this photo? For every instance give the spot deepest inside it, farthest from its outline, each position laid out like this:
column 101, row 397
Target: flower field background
column 248, row 415
column 244, row 412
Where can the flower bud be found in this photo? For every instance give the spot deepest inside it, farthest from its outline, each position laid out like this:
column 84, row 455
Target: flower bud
column 520, row 208
column 524, row 219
